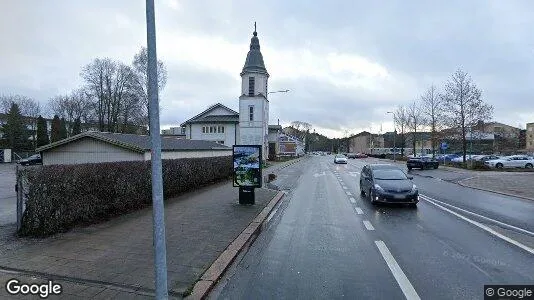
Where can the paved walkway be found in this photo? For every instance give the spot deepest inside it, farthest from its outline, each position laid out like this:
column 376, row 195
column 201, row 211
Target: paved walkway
column 115, row 259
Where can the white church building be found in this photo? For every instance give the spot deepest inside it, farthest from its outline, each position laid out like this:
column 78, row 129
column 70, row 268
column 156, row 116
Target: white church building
column 249, row 126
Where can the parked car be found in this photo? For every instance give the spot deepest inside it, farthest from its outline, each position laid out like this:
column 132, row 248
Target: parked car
column 422, row 163
column 351, row 155
column 514, row 161
column 340, row 159
column 388, row 184
column 484, row 158
column 32, row 160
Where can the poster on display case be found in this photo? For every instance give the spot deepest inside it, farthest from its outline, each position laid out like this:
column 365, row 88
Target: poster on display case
column 247, row 166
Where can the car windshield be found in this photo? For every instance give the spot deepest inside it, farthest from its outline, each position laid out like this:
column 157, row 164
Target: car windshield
column 389, row 174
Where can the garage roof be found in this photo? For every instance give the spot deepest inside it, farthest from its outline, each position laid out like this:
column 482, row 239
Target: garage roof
column 140, row 143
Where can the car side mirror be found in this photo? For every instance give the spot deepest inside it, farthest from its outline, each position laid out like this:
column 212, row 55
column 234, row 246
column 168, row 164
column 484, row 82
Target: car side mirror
column 410, row 177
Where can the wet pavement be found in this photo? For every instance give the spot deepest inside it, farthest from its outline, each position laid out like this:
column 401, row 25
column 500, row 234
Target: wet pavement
column 326, row 241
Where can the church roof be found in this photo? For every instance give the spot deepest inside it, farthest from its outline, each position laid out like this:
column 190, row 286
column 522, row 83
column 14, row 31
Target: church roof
column 254, row 62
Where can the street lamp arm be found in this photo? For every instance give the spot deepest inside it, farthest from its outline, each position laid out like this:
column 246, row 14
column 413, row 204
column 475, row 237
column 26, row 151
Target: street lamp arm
column 281, row 91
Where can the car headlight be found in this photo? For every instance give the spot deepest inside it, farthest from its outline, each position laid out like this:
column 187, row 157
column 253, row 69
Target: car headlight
column 378, row 188
column 414, row 188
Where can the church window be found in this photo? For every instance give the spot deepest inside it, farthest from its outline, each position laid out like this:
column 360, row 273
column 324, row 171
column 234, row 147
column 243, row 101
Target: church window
column 251, row 113
column 251, row 82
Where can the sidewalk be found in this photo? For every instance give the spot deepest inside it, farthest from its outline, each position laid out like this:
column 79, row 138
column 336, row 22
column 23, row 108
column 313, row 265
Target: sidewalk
column 115, row 258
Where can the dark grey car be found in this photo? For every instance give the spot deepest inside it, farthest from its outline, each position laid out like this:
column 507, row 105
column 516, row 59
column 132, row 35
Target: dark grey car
column 388, row 184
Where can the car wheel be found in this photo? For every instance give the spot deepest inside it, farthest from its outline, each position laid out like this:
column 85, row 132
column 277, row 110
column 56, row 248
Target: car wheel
column 412, row 205
column 499, row 166
column 409, row 168
column 436, row 166
column 528, row 166
column 361, row 190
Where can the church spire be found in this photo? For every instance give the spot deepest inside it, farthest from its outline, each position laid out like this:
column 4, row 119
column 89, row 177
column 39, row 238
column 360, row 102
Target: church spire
column 254, row 61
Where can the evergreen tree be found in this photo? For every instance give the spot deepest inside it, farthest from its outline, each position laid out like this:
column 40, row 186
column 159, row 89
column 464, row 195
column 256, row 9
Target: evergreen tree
column 42, row 132
column 63, row 134
column 76, row 128
column 54, row 134
column 15, row 132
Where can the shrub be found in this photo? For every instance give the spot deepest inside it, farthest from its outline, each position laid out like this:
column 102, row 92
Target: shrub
column 59, row 197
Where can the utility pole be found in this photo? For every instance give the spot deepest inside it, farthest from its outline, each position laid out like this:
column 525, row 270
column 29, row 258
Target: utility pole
column 160, row 255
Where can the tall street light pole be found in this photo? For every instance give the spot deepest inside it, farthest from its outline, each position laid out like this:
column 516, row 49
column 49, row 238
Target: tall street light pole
column 394, row 136
column 160, row 255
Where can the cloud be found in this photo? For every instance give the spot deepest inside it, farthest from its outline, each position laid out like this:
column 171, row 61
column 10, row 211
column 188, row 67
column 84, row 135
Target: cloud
column 345, row 65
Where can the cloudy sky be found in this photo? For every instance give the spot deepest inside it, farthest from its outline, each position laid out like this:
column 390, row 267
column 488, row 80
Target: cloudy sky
column 346, row 63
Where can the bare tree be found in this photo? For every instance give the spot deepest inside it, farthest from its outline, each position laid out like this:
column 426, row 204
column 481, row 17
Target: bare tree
column 76, row 105
column 140, row 64
column 432, row 109
column 401, row 121
column 415, row 121
column 464, row 106
column 113, row 87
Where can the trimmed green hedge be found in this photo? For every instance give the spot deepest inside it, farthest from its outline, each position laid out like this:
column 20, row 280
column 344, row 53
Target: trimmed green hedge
column 59, row 197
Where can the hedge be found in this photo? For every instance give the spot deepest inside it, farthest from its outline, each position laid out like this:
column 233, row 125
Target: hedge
column 59, row 197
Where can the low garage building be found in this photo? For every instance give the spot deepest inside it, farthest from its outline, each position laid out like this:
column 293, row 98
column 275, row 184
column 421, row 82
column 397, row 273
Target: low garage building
column 97, row 147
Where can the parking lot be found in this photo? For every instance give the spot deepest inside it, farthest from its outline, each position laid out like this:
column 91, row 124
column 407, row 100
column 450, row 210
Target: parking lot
column 8, row 197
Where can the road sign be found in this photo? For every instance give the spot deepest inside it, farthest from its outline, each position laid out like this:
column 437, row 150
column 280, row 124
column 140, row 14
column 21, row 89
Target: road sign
column 444, row 146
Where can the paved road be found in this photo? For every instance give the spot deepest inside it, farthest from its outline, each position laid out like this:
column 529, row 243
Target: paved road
column 325, row 241
column 8, row 198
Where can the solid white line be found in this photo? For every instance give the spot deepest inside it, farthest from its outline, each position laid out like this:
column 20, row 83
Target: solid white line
column 402, row 280
column 349, row 194
column 486, row 228
column 481, row 216
column 352, row 200
column 359, row 210
column 368, row 225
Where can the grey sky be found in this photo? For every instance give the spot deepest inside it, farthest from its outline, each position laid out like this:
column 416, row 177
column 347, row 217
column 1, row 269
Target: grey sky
column 346, row 62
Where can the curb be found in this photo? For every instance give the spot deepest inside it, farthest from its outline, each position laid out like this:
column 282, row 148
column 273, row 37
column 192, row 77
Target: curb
column 212, row 275
column 493, row 191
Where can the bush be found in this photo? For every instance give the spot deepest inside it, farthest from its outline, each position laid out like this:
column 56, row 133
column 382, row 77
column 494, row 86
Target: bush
column 60, row 197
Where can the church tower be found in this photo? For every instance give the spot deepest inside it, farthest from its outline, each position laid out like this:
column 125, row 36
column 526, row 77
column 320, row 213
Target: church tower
column 253, row 102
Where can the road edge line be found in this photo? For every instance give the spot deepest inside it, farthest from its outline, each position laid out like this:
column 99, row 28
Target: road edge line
column 484, row 227
column 216, row 270
column 492, row 191
column 404, row 283
column 508, row 226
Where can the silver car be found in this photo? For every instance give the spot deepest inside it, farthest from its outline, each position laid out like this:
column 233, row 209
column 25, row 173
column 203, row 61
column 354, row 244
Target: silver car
column 340, row 159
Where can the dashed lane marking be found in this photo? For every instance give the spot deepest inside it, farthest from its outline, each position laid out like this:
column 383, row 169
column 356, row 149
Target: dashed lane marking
column 368, row 225
column 352, row 200
column 358, row 210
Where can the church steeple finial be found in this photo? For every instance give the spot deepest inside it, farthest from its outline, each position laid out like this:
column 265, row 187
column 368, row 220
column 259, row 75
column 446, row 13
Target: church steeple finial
column 255, row 33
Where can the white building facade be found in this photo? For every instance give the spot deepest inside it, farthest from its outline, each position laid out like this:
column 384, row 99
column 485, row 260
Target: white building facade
column 253, row 102
column 218, row 124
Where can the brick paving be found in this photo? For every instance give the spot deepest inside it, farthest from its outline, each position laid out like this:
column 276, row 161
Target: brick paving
column 515, row 184
column 115, row 259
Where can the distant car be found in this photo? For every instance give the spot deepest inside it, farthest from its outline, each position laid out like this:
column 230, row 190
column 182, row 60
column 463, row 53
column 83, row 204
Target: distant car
column 388, row 184
column 352, row 155
column 32, row 160
column 514, row 161
column 340, row 159
column 422, row 163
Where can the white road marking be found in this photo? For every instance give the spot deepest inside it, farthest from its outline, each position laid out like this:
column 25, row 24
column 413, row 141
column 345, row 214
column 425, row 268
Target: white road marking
column 480, row 216
column 345, row 188
column 352, row 200
column 368, row 225
column 484, row 227
column 359, row 210
column 354, row 174
column 348, row 194
column 402, row 280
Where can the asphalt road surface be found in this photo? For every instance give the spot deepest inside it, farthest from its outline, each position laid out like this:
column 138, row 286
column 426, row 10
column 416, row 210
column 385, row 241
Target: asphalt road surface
column 326, row 241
